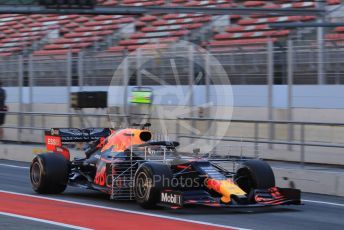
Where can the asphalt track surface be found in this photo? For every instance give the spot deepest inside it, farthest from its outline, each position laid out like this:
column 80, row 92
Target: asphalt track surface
column 318, row 211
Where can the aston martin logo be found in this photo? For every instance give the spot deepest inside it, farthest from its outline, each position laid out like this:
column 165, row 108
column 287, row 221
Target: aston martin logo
column 55, row 132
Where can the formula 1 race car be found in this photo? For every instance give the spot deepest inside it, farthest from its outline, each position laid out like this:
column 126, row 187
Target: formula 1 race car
column 128, row 165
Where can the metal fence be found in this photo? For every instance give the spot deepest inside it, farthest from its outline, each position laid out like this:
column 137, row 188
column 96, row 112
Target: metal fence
column 307, row 64
column 289, row 62
column 292, row 137
column 294, row 134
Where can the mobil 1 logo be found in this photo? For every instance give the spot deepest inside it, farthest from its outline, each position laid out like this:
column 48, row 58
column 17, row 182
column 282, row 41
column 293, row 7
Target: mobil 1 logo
column 171, row 197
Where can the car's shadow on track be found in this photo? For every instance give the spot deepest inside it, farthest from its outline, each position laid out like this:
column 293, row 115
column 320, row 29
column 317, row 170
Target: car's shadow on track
column 99, row 198
column 232, row 211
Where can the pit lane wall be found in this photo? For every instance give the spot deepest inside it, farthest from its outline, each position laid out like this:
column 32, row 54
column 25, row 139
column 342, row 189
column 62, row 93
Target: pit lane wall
column 311, row 180
column 243, row 96
column 316, row 180
column 235, row 130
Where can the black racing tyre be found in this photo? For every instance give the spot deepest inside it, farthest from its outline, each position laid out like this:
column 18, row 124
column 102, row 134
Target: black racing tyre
column 49, row 173
column 150, row 179
column 254, row 174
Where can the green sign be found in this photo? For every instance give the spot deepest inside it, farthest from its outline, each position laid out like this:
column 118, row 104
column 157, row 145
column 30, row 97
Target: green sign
column 141, row 96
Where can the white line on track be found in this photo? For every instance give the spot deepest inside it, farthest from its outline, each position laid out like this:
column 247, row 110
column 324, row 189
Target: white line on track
column 43, row 221
column 15, row 166
column 323, row 202
column 127, row 211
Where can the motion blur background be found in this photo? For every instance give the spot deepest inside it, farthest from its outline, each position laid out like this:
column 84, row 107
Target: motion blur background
column 283, row 58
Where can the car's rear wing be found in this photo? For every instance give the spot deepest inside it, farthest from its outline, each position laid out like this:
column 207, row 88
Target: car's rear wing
column 78, row 135
column 55, row 137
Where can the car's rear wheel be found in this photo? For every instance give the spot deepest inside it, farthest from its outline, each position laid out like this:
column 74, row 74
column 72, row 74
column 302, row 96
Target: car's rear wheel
column 255, row 174
column 49, row 173
column 150, row 179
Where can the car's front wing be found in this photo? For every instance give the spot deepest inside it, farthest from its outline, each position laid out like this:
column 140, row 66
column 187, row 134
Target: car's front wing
column 257, row 198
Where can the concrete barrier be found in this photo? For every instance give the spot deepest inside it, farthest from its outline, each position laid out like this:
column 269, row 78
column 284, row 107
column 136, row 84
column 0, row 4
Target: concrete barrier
column 26, row 153
column 320, row 134
column 322, row 182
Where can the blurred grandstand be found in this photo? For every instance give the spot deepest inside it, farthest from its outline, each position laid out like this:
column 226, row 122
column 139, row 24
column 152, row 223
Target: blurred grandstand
column 238, row 40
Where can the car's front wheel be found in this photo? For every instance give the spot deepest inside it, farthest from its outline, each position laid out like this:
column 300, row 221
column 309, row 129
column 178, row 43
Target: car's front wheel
column 255, row 174
column 49, row 173
column 150, row 179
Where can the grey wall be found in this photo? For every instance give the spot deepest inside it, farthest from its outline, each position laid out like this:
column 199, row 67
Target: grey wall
column 304, row 96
